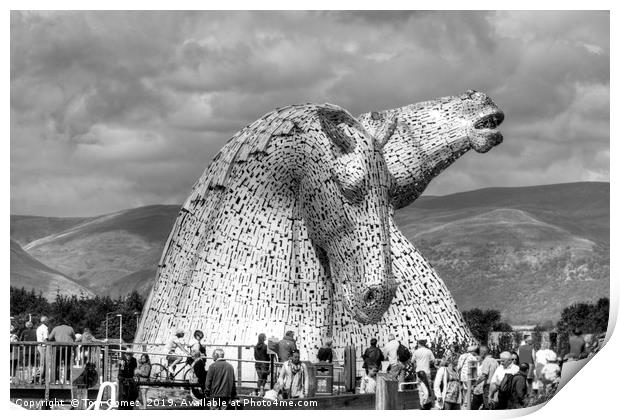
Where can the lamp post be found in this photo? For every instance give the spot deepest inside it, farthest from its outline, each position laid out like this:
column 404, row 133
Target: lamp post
column 120, row 334
column 106, row 323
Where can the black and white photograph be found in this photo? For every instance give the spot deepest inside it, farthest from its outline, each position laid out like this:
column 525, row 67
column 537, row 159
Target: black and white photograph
column 307, row 209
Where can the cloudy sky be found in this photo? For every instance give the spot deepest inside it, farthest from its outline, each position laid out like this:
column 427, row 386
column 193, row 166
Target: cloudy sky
column 114, row 110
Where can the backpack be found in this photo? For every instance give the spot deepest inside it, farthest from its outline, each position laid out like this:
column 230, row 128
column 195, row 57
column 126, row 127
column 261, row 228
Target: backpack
column 505, row 387
column 403, row 353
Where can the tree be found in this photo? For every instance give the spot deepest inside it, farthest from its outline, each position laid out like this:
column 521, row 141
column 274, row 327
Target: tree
column 481, row 322
column 587, row 317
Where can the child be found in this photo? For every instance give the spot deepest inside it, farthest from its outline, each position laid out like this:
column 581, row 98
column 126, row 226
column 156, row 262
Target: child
column 369, row 382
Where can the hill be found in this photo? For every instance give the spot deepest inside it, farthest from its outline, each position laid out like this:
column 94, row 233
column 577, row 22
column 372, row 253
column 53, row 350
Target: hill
column 29, row 273
column 110, row 253
column 527, row 251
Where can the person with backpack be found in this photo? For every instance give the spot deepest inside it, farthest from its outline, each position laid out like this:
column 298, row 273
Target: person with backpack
column 372, row 356
column 519, row 389
column 501, row 382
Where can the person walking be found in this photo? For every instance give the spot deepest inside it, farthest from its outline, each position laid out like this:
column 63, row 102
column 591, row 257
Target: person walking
column 501, row 381
column 42, row 335
column 391, row 351
column 262, row 369
column 326, row 354
column 63, row 333
column 373, row 356
column 486, row 369
column 286, row 346
column 292, row 378
column 220, row 384
column 422, row 358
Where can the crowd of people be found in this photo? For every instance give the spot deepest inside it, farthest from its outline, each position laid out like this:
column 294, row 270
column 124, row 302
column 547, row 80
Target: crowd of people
column 469, row 378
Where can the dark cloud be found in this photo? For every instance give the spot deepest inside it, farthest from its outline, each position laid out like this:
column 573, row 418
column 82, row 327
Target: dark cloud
column 112, row 110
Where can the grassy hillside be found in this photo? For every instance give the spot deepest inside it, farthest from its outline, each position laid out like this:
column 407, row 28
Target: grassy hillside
column 526, row 251
column 29, row 273
column 103, row 251
column 25, row 229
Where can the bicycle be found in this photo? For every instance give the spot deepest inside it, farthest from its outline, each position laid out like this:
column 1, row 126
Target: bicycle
column 161, row 373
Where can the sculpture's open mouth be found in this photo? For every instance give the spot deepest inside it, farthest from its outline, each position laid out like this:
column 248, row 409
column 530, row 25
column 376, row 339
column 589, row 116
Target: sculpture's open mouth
column 490, row 121
column 485, row 134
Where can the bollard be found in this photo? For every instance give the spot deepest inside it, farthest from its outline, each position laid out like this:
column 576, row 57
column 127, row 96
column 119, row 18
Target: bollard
column 386, row 396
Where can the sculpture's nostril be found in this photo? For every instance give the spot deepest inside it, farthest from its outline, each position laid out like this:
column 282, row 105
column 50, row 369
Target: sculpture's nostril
column 369, row 297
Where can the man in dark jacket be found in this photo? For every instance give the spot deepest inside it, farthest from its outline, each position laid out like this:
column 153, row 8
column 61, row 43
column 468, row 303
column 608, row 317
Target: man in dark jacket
column 519, row 387
column 127, row 388
column 286, row 346
column 577, row 345
column 372, row 356
column 220, row 383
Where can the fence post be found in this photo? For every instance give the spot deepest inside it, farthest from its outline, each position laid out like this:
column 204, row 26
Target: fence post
column 239, row 354
column 272, row 369
column 386, row 396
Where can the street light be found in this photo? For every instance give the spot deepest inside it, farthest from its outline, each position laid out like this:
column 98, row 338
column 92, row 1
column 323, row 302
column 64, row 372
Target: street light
column 106, row 323
column 120, row 334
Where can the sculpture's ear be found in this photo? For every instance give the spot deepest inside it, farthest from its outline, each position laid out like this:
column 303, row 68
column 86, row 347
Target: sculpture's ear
column 340, row 127
column 385, row 127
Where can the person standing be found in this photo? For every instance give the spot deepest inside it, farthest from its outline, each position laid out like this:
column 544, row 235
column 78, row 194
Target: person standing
column 220, row 384
column 292, row 378
column 368, row 385
column 465, row 361
column 127, row 388
column 286, row 346
column 447, row 385
column 391, row 351
column 30, row 353
column 372, row 356
column 422, row 358
column 262, row 369
column 486, row 369
column 42, row 335
column 143, row 375
column 519, row 391
column 527, row 354
column 501, row 382
column 577, row 345
column 63, row 333
column 326, row 354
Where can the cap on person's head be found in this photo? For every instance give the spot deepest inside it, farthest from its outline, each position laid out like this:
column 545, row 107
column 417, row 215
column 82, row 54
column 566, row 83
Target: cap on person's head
column 179, row 331
column 505, row 355
column 28, row 324
column 524, row 367
column 43, row 318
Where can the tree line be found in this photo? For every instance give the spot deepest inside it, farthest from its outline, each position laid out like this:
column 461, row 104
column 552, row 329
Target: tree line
column 90, row 312
column 78, row 312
